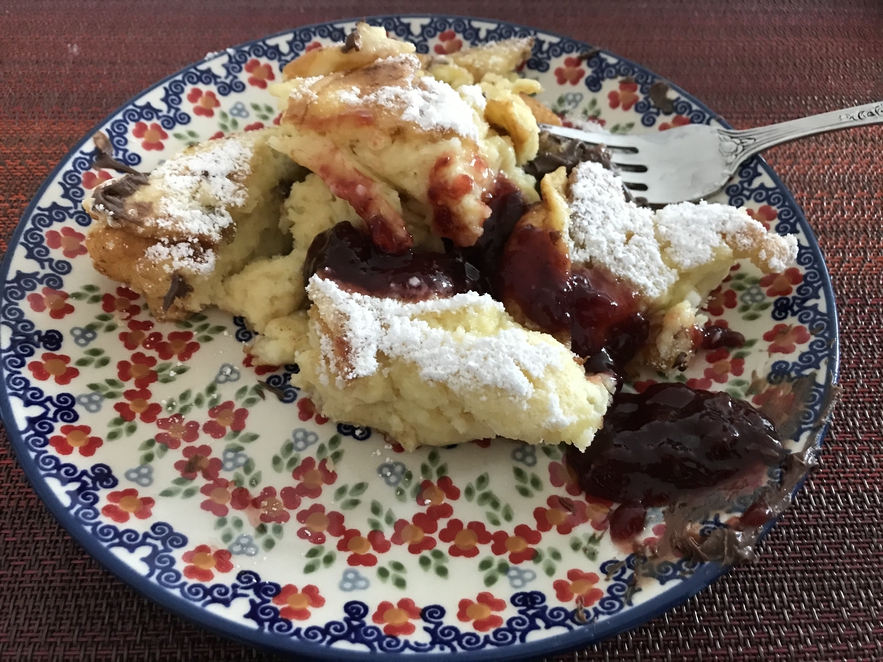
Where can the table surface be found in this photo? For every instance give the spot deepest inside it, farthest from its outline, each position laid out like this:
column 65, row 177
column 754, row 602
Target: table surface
column 816, row 592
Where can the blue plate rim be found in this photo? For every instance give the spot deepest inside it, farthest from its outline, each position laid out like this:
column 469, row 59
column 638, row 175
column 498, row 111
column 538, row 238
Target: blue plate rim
column 591, row 633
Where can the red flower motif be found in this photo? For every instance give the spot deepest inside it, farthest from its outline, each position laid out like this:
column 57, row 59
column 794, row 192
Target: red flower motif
column 450, row 43
column 312, row 477
column 580, row 586
column 778, row 285
column 396, row 620
column 517, row 545
column 138, row 405
column 180, row 345
column 176, row 430
column 360, row 547
column 198, row 460
column 307, row 410
column 561, row 475
column 273, row 508
column 69, row 240
column 677, row 120
column 225, row 416
column 465, row 540
column 205, row 102
column 259, row 73
column 152, row 135
column 784, row 338
column 571, row 72
column 701, row 383
column 139, row 369
column 414, row 534
column 216, row 135
column 651, row 541
column 92, row 179
column 317, row 523
column 432, row 494
column 254, row 126
column 219, row 496
column 121, row 303
column 54, row 366
column 722, row 366
column 778, row 402
column 719, row 299
column 53, row 300
column 203, row 563
column 137, row 335
column 75, row 437
column 764, row 215
column 123, row 504
column 626, row 96
column 562, row 514
column 480, row 612
column 313, row 46
column 297, row 604
column 642, row 385
column 259, row 369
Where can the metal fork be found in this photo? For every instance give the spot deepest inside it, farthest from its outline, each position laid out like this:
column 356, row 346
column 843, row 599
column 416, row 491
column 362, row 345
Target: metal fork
column 696, row 160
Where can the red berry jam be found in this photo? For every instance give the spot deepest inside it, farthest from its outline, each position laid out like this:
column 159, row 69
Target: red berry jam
column 670, row 440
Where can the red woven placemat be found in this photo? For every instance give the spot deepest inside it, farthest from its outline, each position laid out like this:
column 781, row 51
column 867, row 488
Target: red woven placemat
column 817, row 591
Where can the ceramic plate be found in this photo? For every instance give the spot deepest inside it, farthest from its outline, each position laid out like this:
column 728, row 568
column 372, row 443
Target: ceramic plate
column 217, row 490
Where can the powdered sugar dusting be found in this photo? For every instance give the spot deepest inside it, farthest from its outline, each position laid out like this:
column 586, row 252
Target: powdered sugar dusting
column 473, row 95
column 607, row 230
column 430, row 104
column 651, row 250
column 465, row 362
column 693, row 231
column 182, row 256
column 199, row 187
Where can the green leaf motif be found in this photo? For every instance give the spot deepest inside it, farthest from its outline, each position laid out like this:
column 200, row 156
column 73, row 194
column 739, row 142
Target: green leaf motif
column 313, row 552
column 482, row 482
column 523, row 491
column 170, row 492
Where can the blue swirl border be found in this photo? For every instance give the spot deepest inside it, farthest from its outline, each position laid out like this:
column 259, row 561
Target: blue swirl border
column 593, row 631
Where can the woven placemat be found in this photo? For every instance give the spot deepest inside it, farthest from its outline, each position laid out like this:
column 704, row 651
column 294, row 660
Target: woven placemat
column 817, row 591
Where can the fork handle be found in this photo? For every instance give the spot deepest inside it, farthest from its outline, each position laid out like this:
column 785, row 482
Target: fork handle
column 737, row 146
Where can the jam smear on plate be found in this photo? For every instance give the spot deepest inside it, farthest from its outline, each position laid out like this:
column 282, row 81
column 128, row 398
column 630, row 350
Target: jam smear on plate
column 671, row 440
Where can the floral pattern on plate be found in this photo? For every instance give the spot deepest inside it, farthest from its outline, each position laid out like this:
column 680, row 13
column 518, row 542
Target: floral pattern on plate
column 215, row 487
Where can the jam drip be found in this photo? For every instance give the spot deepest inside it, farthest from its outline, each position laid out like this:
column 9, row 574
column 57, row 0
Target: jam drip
column 348, row 256
column 507, row 207
column 670, row 440
column 599, row 313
